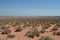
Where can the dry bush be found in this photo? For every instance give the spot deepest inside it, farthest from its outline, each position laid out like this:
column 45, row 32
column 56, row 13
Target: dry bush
column 14, row 25
column 56, row 33
column 53, row 22
column 32, row 33
column 26, row 25
column 45, row 38
column 36, row 32
column 45, row 25
column 29, row 34
column 54, row 28
column 34, row 26
column 3, row 27
column 10, row 36
column 58, row 25
column 42, row 31
column 6, row 31
column 18, row 29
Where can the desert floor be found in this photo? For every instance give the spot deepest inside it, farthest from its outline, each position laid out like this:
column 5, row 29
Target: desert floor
column 21, row 35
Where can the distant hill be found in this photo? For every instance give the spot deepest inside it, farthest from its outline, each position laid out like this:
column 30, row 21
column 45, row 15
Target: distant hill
column 29, row 17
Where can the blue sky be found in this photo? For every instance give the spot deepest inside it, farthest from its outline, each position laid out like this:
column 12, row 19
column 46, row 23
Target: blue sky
column 29, row 7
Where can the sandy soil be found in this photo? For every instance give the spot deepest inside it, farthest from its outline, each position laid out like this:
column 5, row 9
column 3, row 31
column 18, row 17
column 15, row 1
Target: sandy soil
column 20, row 35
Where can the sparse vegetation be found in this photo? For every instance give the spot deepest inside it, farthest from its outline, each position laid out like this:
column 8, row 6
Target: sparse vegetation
column 18, row 29
column 3, row 27
column 18, row 25
column 45, row 26
column 54, row 29
column 10, row 36
column 58, row 25
column 32, row 33
column 36, row 32
column 42, row 31
column 6, row 31
column 56, row 33
column 45, row 38
column 29, row 34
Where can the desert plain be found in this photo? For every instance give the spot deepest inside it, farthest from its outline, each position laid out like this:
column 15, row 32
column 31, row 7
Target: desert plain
column 29, row 28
